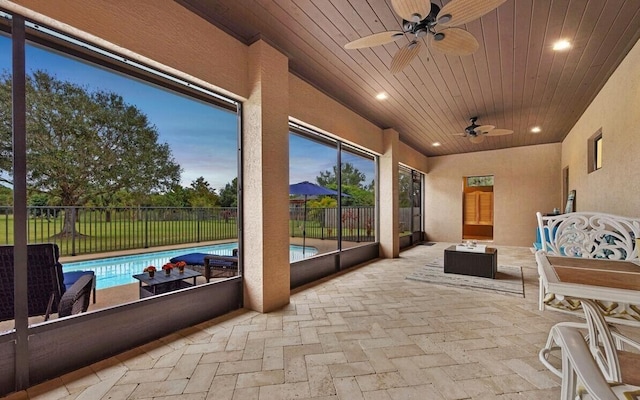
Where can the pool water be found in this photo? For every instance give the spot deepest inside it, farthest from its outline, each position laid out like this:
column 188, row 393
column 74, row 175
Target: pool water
column 116, row 271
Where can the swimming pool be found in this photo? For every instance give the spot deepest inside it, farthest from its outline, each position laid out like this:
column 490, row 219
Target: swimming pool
column 116, row 271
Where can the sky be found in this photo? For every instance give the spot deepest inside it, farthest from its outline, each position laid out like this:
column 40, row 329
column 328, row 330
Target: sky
column 202, row 137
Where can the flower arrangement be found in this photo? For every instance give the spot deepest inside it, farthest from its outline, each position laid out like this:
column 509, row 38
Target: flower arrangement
column 167, row 268
column 180, row 265
column 151, row 270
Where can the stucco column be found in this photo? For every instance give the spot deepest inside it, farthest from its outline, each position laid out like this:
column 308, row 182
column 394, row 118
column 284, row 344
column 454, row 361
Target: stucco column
column 389, row 211
column 265, row 180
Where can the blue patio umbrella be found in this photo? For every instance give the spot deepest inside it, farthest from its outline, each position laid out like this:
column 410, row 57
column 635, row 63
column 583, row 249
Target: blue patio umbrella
column 308, row 189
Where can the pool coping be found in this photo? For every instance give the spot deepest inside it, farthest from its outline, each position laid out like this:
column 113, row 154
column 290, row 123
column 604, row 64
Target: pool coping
column 138, row 251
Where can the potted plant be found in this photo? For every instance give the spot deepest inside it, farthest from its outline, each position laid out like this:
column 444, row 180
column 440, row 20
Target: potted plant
column 180, row 265
column 151, row 270
column 167, row 268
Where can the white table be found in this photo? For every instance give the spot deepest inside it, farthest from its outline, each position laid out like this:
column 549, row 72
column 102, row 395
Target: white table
column 597, row 279
column 606, row 281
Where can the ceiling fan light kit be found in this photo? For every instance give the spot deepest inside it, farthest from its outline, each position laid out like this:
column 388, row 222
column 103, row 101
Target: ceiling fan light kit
column 477, row 133
column 421, row 18
column 443, row 19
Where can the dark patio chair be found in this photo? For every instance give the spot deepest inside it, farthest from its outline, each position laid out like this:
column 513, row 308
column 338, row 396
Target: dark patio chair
column 70, row 277
column 211, row 265
column 45, row 284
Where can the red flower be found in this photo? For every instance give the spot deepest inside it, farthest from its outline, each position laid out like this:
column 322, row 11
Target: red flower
column 167, row 266
column 150, row 268
column 181, row 264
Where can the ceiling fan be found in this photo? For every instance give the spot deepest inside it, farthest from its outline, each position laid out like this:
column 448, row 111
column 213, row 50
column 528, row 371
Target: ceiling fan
column 421, row 18
column 476, row 133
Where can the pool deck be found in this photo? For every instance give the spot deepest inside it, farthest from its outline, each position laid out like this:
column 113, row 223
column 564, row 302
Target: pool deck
column 117, row 295
column 323, row 246
column 130, row 252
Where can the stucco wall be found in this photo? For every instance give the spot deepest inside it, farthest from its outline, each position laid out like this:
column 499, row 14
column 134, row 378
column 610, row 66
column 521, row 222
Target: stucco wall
column 411, row 157
column 527, row 179
column 616, row 109
column 312, row 107
column 161, row 30
column 119, row 22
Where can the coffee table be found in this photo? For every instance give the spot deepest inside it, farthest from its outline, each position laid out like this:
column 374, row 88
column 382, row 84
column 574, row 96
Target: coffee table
column 471, row 263
column 163, row 283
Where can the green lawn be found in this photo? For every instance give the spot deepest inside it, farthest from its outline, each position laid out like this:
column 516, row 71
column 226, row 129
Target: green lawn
column 98, row 236
column 95, row 234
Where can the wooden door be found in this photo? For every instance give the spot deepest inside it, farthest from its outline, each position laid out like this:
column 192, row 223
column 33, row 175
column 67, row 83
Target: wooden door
column 478, row 208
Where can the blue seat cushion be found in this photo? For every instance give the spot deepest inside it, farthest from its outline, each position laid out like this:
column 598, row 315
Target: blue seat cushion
column 72, row 276
column 190, row 259
column 198, row 259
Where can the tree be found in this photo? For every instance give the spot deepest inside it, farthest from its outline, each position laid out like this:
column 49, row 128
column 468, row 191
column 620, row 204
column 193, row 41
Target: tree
column 350, row 175
column 178, row 196
column 353, row 185
column 405, row 190
column 229, row 195
column 201, row 194
column 82, row 144
column 6, row 122
column 38, row 203
column 6, row 196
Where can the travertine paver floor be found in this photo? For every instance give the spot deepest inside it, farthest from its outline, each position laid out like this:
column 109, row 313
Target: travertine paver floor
column 366, row 334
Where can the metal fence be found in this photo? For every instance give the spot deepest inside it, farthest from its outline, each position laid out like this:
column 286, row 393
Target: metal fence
column 102, row 229
column 358, row 223
column 406, row 215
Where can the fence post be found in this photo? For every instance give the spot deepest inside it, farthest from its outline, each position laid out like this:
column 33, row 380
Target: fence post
column 6, row 224
column 359, row 223
column 198, row 212
column 73, row 231
column 146, row 228
column 35, row 224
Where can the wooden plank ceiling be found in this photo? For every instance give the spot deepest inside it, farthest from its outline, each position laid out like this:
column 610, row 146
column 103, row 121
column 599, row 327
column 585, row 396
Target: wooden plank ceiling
column 514, row 81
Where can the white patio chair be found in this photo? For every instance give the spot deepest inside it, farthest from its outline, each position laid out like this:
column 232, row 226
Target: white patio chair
column 607, row 347
column 582, row 377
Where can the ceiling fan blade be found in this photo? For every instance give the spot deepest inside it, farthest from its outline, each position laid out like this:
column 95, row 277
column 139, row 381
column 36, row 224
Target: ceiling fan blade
column 412, row 10
column 454, row 41
column 476, row 139
column 500, row 132
column 404, row 56
column 376, row 39
column 459, row 12
column 483, row 129
column 460, row 134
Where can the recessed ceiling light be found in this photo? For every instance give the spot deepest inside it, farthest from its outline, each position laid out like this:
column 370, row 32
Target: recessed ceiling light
column 381, row 96
column 536, row 129
column 561, row 45
column 435, row 144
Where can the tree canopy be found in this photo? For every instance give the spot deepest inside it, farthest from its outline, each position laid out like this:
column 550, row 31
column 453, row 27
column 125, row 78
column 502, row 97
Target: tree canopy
column 229, row 195
column 405, row 190
column 350, row 175
column 83, row 145
column 353, row 184
column 6, row 196
column 202, row 195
